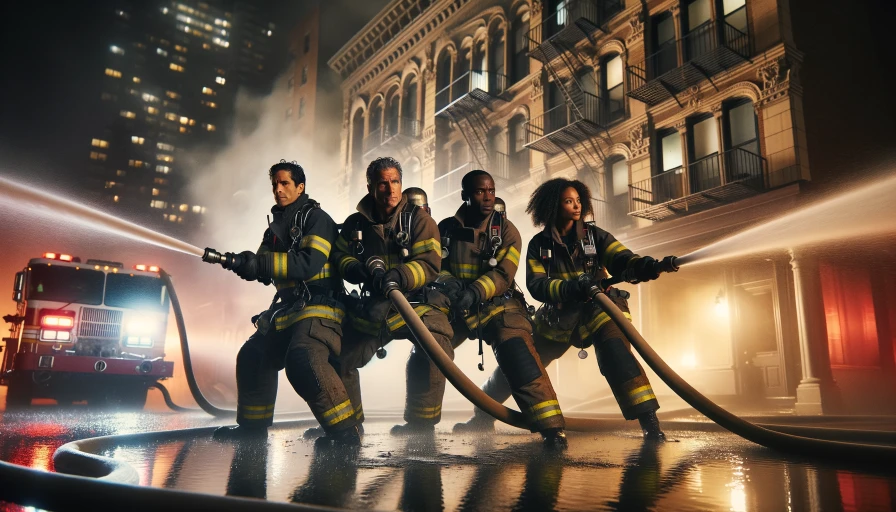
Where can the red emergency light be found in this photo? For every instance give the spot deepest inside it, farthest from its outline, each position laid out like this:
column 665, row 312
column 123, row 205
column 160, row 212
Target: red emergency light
column 146, row 268
column 58, row 319
column 61, row 257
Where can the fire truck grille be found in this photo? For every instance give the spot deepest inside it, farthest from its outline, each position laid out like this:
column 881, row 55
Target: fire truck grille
column 100, row 323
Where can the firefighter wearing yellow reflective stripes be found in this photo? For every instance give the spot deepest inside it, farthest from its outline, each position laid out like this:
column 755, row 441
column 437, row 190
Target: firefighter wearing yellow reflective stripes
column 482, row 253
column 301, row 331
column 406, row 239
column 556, row 261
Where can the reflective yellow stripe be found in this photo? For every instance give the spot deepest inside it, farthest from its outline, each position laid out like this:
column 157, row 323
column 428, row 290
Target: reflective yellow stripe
column 466, row 270
column 359, row 412
column 596, row 323
column 323, row 274
column 426, row 412
column 282, row 285
column 551, row 334
column 258, row 416
column 640, row 395
column 396, row 322
column 317, row 243
column 345, row 262
column 554, row 290
column 430, row 244
column 510, row 253
column 418, row 273
column 544, row 404
column 548, row 414
column 338, row 413
column 536, row 266
column 614, row 249
column 474, row 321
column 259, row 412
column 486, row 283
column 336, row 409
column 311, row 311
column 279, row 264
column 445, row 273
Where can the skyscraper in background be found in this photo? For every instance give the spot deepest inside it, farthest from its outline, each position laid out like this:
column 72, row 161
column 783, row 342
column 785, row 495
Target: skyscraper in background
column 172, row 72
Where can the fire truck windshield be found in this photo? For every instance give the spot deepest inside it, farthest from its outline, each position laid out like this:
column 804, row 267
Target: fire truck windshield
column 66, row 284
column 136, row 292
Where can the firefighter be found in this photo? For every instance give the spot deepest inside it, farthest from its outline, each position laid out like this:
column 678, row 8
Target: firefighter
column 562, row 262
column 402, row 241
column 417, row 196
column 482, row 253
column 301, row 331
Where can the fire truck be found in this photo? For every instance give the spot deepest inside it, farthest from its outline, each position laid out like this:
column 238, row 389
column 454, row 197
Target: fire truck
column 89, row 330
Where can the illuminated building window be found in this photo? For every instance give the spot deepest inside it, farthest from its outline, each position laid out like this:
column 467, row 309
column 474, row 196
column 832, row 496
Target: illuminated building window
column 171, row 116
column 164, row 169
column 113, row 73
column 184, row 207
column 175, row 67
column 110, row 184
column 206, row 46
column 163, row 53
column 128, row 114
column 152, row 110
column 165, row 158
column 121, row 173
column 220, row 80
column 137, row 140
column 184, row 120
column 158, row 204
column 164, row 147
column 100, row 143
column 160, row 181
column 182, row 129
column 95, row 155
column 210, row 127
column 123, row 14
column 116, row 50
column 210, row 104
column 164, row 10
column 208, row 90
column 182, row 49
column 114, row 199
column 136, row 79
column 149, row 97
column 270, row 33
column 136, row 163
column 173, row 95
column 155, row 191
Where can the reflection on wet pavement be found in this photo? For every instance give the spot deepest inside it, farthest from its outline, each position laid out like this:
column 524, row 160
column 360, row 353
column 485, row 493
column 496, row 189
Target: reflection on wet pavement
column 612, row 470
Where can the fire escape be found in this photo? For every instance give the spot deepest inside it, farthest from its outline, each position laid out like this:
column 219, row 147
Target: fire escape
column 465, row 102
column 578, row 128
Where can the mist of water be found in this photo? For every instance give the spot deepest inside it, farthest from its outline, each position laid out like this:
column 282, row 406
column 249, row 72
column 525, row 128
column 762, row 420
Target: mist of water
column 863, row 212
column 35, row 200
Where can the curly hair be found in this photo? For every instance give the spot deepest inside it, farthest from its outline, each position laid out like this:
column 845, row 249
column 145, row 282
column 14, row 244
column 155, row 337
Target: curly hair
column 295, row 171
column 544, row 203
column 381, row 164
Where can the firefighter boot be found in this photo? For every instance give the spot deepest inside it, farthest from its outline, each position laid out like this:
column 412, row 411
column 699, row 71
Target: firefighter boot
column 479, row 423
column 315, row 432
column 650, row 425
column 237, row 433
column 412, row 429
column 554, row 439
column 347, row 437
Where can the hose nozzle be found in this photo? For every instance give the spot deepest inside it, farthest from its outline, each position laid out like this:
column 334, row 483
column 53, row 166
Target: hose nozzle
column 227, row 260
column 668, row 264
column 376, row 267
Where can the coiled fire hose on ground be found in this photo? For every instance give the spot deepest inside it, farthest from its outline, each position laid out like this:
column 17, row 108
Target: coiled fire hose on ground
column 762, row 435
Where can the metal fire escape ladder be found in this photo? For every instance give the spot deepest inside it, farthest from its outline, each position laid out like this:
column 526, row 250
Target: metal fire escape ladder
column 474, row 128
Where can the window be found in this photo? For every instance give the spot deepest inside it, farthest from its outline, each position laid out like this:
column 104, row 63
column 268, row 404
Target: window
column 99, row 143
column 703, row 142
column 741, row 141
column 664, row 55
column 110, row 184
column 136, row 163
column 163, row 169
column 209, row 127
column 136, row 79
column 208, row 91
column 735, row 13
column 136, row 140
column 116, row 50
column 171, row 116
column 180, row 48
column 155, row 192
column 127, row 114
column 301, row 107
column 197, row 209
column 304, row 74
column 164, row 147
column 667, row 182
column 519, row 154
column 113, row 73
column 210, row 104
column 176, row 67
column 611, row 80
column 520, row 66
column 307, row 43
column 183, row 207
column 163, row 53
column 220, row 80
column 164, row 158
column 160, row 181
column 149, row 97
column 94, row 155
column 121, row 173
column 409, row 108
column 700, row 36
column 670, row 143
column 158, row 204
column 173, row 95
column 152, row 110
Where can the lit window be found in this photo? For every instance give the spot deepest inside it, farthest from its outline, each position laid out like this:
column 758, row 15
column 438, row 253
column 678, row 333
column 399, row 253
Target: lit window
column 152, row 110
column 158, row 204
column 116, row 50
column 136, row 79
column 220, row 80
column 175, row 67
column 155, row 191
column 197, row 209
column 210, row 127
column 114, row 199
column 164, row 10
column 269, row 33
column 173, row 95
column 184, row 120
column 206, row 46
column 163, row 53
column 160, row 181
column 149, row 97
column 113, row 73
column 164, row 147
column 180, row 48
column 202, row 210
column 100, row 143
column 165, row 158
column 182, row 129
column 136, row 140
column 110, row 184
column 94, row 155
column 171, row 116
column 210, row 104
column 123, row 14
column 135, row 163
column 164, row 169
column 208, row 90
column 128, row 114
column 121, row 173
column 184, row 207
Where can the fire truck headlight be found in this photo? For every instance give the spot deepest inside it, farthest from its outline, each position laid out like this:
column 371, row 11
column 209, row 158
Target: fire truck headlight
column 138, row 341
column 54, row 335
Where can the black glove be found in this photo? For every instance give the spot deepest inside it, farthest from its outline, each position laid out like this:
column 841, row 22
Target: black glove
column 466, row 300
column 452, row 288
column 646, row 269
column 357, row 274
column 577, row 289
column 247, row 268
column 392, row 276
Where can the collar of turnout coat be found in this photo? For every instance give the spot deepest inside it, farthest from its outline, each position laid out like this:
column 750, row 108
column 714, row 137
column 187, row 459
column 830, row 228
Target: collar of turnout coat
column 367, row 208
column 291, row 208
column 552, row 233
column 461, row 217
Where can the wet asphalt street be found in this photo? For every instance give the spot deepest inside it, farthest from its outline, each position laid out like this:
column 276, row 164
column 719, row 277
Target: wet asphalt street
column 610, row 470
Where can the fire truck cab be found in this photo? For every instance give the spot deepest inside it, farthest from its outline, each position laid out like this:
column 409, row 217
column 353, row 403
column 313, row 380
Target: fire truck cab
column 91, row 331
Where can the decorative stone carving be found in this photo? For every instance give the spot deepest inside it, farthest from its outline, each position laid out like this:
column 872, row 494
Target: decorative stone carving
column 428, row 65
column 636, row 24
column 776, row 78
column 537, row 87
column 638, row 140
column 536, row 6
column 429, row 151
column 693, row 96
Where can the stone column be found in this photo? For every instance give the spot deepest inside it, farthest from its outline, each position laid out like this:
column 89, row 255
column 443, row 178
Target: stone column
column 816, row 393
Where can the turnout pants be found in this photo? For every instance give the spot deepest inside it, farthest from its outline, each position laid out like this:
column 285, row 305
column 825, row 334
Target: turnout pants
column 520, row 368
column 425, row 383
column 617, row 364
column 308, row 350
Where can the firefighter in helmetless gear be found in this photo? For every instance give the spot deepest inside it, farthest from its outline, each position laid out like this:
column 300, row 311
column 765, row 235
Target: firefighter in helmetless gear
column 562, row 263
column 301, row 331
column 482, row 252
column 402, row 241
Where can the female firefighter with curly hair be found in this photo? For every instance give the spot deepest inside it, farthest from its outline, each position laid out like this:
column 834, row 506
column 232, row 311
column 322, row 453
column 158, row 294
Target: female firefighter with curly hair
column 561, row 263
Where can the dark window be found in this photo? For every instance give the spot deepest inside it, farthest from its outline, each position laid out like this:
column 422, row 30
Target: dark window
column 664, row 55
column 496, row 63
column 65, row 284
column 136, row 292
column 304, row 74
column 520, row 64
column 301, row 107
column 307, row 43
column 741, row 138
column 519, row 153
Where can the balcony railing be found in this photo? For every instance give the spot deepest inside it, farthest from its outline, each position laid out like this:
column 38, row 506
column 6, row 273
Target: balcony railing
column 563, row 126
column 711, row 181
column 500, row 163
column 399, row 132
column 449, row 183
column 707, row 50
column 571, row 22
column 481, row 85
